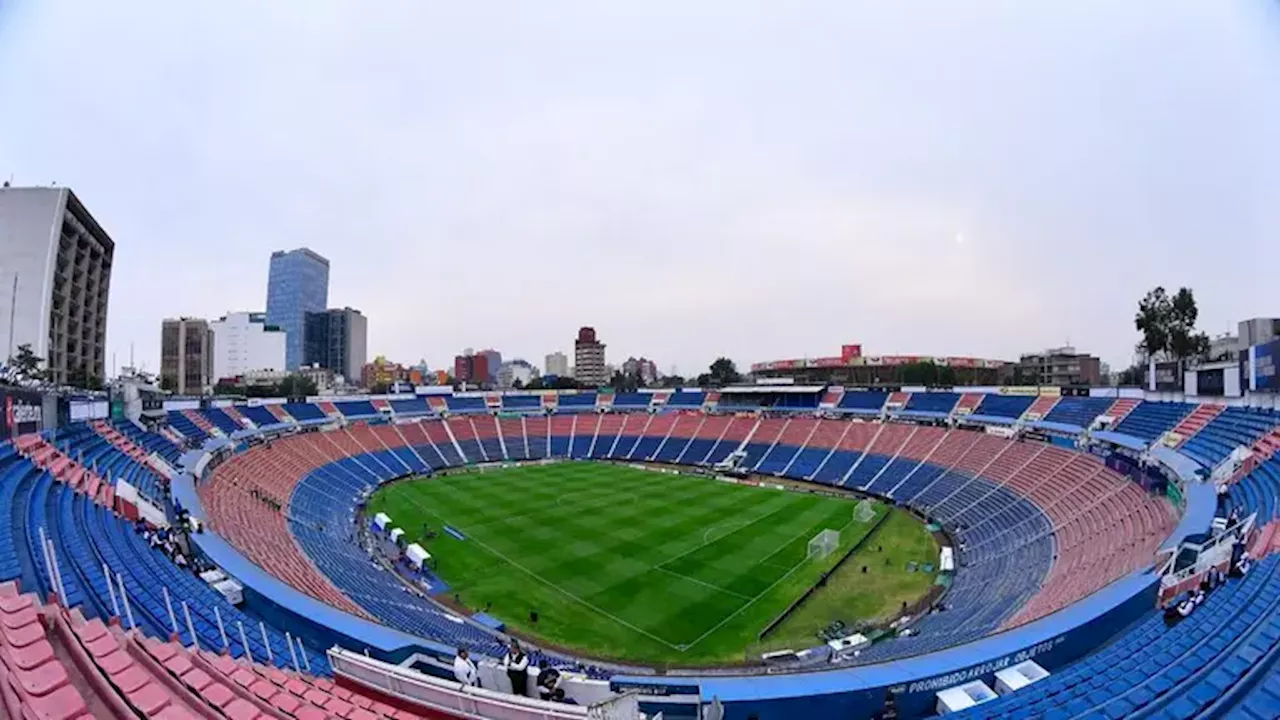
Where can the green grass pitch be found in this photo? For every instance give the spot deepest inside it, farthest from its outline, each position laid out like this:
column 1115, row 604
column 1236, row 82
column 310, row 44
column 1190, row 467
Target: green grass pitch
column 649, row 567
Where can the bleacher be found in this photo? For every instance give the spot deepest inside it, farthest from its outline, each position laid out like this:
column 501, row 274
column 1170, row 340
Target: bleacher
column 357, row 409
column 1150, row 420
column 521, row 402
column 185, row 425
column 459, row 404
column 1004, row 406
column 634, row 400
column 686, row 399
column 863, row 402
column 1232, row 428
column 302, row 412
column 936, row 404
column 574, row 402
column 259, row 415
column 221, row 420
column 1078, row 411
column 410, row 407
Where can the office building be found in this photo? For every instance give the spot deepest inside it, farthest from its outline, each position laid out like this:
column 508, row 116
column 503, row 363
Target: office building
column 1061, row 366
column 297, row 284
column 644, row 370
column 493, row 361
column 588, row 359
column 557, row 364
column 336, row 339
column 55, row 278
column 382, row 372
column 244, row 342
column 186, row 356
column 471, row 368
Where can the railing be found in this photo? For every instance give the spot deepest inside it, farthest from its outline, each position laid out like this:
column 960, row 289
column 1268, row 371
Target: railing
column 452, row 698
column 1211, row 554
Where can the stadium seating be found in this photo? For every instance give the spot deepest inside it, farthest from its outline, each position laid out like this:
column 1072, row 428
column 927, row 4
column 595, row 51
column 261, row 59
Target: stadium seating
column 188, row 427
column 1040, row 407
column 1078, row 411
column 459, row 404
column 623, row 401
column 221, row 420
column 302, row 412
column 865, row 402
column 521, row 402
column 356, row 409
column 940, row 403
column 1004, row 406
column 577, row 402
column 410, row 407
column 1150, row 420
column 1231, row 428
column 686, row 399
column 259, row 415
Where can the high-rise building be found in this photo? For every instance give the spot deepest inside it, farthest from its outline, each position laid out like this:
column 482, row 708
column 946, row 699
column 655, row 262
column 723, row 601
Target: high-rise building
column 588, row 359
column 471, row 368
column 557, row 364
column 1258, row 331
column 643, row 369
column 186, row 355
column 244, row 342
column 55, row 277
column 336, row 339
column 493, row 361
column 297, row 284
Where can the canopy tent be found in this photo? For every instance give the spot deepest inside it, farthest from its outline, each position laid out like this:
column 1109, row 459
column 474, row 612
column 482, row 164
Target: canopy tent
column 416, row 555
column 381, row 521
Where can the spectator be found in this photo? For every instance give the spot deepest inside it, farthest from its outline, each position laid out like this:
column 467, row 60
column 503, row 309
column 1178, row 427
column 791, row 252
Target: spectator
column 516, row 663
column 464, row 668
column 549, row 685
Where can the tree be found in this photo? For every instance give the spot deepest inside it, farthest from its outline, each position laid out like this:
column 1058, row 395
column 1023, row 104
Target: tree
column 928, row 374
column 296, row 386
column 722, row 372
column 535, row 384
column 672, row 381
column 380, row 388
column 26, row 364
column 1168, row 326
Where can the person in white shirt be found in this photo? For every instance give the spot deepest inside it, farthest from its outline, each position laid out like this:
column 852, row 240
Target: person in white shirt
column 516, row 663
column 464, row 668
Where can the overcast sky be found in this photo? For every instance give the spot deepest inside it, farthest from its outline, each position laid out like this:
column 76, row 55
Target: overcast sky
column 757, row 180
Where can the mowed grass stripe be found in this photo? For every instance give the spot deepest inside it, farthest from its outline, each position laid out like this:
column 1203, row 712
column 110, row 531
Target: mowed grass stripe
column 628, row 563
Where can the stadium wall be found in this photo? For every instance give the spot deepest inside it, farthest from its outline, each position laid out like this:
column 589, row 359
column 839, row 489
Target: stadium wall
column 1053, row 642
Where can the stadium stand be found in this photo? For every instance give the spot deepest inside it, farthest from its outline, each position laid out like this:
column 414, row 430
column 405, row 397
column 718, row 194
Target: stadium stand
column 1042, row 406
column 303, row 412
column 865, row 402
column 1077, row 411
column 183, row 423
column 1151, row 420
column 357, row 409
column 937, row 404
column 686, row 399
column 969, row 403
column 259, row 415
column 1231, row 428
column 521, row 402
column 631, row 400
column 1121, row 408
column 222, row 420
column 459, row 404
column 996, row 405
column 1202, row 415
column 577, row 401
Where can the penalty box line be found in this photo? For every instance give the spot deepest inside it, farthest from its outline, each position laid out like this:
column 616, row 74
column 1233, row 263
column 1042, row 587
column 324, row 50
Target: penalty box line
column 555, row 587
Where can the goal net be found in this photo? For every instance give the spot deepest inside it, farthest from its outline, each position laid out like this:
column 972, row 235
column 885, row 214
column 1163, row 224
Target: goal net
column 864, row 512
column 824, row 543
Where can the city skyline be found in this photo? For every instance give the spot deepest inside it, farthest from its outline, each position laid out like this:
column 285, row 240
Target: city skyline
column 1027, row 196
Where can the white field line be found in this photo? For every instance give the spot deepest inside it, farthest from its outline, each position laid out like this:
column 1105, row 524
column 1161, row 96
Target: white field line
column 704, row 584
column 553, row 586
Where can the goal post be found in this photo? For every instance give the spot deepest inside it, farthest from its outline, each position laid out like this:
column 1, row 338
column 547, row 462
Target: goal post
column 824, row 543
column 864, row 512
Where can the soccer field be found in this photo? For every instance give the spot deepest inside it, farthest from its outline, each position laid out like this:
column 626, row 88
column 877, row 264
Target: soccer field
column 633, row 565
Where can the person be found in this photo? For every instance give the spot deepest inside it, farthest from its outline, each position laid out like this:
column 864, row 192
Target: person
column 516, row 663
column 464, row 668
column 549, row 685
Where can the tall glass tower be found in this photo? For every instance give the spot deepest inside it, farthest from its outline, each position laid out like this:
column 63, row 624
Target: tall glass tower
column 298, row 283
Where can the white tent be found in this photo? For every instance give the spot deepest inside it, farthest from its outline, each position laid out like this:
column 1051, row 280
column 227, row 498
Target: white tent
column 416, row 555
column 381, row 521
column 396, row 533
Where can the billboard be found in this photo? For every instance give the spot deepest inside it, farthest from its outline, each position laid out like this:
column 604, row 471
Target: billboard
column 1166, row 376
column 1265, row 359
column 23, row 412
column 848, row 352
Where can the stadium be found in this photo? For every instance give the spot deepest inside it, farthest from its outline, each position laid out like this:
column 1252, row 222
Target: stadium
column 765, row 551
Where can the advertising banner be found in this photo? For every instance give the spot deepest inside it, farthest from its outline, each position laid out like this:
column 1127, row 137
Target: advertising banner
column 1166, row 377
column 848, row 352
column 23, row 412
column 1265, row 359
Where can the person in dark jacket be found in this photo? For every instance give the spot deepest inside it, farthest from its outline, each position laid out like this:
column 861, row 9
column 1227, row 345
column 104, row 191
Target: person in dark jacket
column 516, row 663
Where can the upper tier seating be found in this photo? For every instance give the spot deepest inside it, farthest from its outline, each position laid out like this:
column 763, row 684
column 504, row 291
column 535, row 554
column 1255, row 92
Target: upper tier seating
column 632, row 400
column 303, row 412
column 186, row 426
column 933, row 402
column 357, row 409
column 221, row 420
column 410, row 407
column 259, row 415
column 687, row 398
column 521, row 402
column 1078, row 411
column 1150, row 420
column 1233, row 427
column 1004, row 406
column 863, row 401
column 466, row 404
